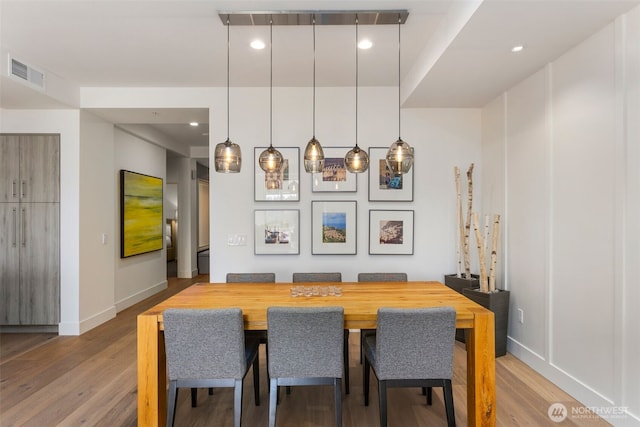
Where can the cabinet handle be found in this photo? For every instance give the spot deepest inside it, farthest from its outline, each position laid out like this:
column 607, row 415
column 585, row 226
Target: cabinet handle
column 15, row 228
column 23, row 191
column 24, row 227
column 13, row 189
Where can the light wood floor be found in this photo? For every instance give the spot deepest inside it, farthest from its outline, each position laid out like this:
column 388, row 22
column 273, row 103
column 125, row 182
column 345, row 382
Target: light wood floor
column 48, row 380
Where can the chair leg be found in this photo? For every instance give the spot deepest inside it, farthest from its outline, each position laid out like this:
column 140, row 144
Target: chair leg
column 237, row 403
column 338, row 401
column 346, row 361
column 273, row 398
column 429, row 396
column 171, row 403
column 382, row 399
column 194, row 397
column 448, row 403
column 266, row 361
column 365, row 379
column 256, row 380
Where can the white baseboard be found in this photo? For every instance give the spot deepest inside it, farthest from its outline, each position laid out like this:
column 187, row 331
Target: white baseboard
column 140, row 296
column 187, row 274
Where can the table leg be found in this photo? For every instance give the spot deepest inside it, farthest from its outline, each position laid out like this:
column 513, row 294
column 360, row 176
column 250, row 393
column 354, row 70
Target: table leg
column 152, row 380
column 481, row 371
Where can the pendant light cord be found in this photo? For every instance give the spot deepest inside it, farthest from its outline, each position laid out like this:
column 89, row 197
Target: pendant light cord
column 228, row 49
column 271, row 82
column 399, row 127
column 356, row 80
column 314, row 77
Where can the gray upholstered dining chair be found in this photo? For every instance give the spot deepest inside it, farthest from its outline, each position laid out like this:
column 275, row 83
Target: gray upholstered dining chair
column 207, row 348
column 382, row 277
column 317, row 277
column 411, row 348
column 251, row 277
column 377, row 277
column 305, row 348
column 328, row 278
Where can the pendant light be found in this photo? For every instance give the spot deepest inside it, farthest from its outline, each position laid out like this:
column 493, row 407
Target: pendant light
column 227, row 155
column 313, row 154
column 270, row 160
column 400, row 154
column 356, row 160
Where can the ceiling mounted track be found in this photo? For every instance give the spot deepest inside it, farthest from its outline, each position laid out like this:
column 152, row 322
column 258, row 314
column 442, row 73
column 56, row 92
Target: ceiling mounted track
column 324, row 17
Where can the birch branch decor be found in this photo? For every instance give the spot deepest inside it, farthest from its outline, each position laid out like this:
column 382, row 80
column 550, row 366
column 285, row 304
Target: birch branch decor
column 494, row 253
column 460, row 227
column 487, row 282
column 484, row 283
column 467, row 227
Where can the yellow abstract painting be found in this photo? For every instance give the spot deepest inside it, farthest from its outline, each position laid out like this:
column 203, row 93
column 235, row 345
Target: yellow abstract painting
column 141, row 213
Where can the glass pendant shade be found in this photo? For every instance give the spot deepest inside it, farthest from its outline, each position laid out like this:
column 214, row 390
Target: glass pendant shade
column 270, row 160
column 313, row 157
column 400, row 157
column 356, row 160
column 227, row 157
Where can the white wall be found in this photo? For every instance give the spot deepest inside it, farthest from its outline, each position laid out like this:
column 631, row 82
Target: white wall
column 140, row 276
column 97, row 219
column 572, row 200
column 628, row 372
column 442, row 138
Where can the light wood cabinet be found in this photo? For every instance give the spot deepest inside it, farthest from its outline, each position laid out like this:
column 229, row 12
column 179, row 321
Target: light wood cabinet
column 30, row 229
column 30, row 168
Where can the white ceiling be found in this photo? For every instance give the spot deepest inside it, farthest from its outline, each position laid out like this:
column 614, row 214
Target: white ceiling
column 455, row 53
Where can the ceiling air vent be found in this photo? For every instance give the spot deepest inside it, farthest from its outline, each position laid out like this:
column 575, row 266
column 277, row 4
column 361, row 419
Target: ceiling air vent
column 27, row 73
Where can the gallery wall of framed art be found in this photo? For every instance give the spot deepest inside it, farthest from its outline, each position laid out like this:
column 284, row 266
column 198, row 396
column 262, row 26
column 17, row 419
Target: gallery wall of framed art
column 333, row 223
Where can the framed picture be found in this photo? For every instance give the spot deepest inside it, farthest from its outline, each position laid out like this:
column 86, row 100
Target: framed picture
column 333, row 228
column 390, row 232
column 277, row 232
column 141, row 220
column 384, row 185
column 282, row 186
column 334, row 176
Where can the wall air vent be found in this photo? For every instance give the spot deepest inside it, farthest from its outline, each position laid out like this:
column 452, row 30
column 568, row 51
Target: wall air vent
column 27, row 73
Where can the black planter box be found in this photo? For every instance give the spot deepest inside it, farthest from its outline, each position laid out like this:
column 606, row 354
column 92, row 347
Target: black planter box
column 458, row 284
column 498, row 302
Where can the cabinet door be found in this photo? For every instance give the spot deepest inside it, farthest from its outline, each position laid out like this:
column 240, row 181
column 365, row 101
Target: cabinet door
column 9, row 168
column 9, row 264
column 39, row 168
column 39, row 263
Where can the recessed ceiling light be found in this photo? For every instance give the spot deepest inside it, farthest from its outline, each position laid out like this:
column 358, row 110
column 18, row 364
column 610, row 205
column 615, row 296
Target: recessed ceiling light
column 193, row 124
column 365, row 44
column 257, row 44
column 517, row 48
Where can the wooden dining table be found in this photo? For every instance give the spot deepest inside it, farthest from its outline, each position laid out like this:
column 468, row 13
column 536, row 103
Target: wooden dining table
column 360, row 302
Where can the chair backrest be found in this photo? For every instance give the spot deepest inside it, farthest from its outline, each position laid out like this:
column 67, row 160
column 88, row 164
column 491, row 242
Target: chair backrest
column 305, row 341
column 317, row 277
column 251, row 277
column 204, row 343
column 415, row 343
column 382, row 277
